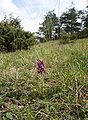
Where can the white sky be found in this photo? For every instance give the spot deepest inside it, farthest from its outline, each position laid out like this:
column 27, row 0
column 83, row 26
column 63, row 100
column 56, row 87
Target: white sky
column 31, row 12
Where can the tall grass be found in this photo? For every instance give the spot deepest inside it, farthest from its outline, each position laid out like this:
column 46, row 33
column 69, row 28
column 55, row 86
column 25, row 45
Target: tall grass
column 65, row 83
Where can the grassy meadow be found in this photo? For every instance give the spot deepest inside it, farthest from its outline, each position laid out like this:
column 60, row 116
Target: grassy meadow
column 60, row 94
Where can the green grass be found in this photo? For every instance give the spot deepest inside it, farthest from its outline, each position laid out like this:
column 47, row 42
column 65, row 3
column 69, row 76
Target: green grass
column 65, row 94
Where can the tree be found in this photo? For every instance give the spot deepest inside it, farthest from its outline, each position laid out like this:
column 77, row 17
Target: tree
column 69, row 21
column 47, row 28
column 85, row 20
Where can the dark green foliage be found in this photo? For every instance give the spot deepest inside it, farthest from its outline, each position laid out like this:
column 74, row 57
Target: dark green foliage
column 69, row 21
column 72, row 22
column 12, row 35
column 65, row 38
column 71, row 25
column 85, row 22
column 50, row 25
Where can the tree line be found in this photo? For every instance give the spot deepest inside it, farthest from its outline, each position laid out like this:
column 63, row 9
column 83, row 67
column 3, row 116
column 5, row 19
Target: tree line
column 72, row 24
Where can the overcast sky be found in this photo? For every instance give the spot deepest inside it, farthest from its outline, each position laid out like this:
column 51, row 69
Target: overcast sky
column 31, row 12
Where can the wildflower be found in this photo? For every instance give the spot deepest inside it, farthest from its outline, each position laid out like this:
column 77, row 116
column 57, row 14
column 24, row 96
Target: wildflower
column 86, row 101
column 40, row 67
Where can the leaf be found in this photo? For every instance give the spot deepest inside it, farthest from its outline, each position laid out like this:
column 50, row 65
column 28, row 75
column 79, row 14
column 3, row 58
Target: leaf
column 86, row 118
column 9, row 115
column 1, row 101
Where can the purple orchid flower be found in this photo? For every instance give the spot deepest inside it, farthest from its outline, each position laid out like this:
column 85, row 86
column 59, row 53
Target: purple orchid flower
column 40, row 67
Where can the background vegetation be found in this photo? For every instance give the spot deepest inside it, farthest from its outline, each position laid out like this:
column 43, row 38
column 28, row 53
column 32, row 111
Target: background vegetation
column 73, row 23
column 12, row 35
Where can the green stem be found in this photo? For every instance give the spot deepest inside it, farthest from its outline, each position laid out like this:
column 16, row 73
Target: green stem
column 43, row 86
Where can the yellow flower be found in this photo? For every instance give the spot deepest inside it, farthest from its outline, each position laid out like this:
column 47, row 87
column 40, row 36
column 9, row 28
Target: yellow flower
column 86, row 101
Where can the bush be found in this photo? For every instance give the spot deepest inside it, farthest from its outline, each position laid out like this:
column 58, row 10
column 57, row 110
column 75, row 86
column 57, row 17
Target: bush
column 73, row 36
column 65, row 38
column 13, row 37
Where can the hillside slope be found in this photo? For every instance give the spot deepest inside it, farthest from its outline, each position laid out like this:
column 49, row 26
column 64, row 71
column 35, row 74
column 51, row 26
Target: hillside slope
column 60, row 94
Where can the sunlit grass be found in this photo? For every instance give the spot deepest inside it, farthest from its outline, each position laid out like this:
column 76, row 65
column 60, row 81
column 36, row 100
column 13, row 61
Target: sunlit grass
column 65, row 82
